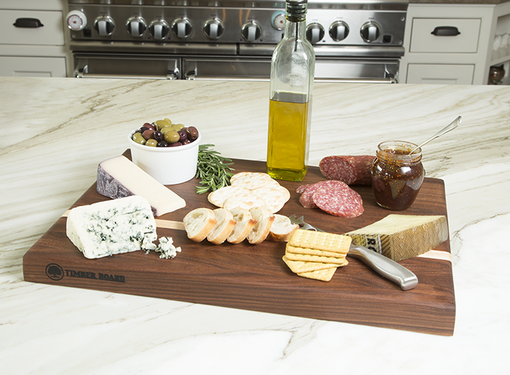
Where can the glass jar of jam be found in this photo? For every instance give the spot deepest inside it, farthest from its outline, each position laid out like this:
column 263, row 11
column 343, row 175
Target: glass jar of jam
column 397, row 175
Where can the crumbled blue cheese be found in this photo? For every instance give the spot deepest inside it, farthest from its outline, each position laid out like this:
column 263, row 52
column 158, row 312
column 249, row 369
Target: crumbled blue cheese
column 167, row 248
column 112, row 227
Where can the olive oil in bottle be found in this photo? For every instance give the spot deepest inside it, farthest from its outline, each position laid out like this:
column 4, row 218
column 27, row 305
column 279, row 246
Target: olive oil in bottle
column 292, row 73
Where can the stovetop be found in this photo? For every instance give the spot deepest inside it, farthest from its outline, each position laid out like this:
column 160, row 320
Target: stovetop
column 329, row 23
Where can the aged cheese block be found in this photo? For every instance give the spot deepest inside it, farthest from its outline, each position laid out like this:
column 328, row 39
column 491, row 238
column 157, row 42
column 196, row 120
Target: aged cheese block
column 119, row 177
column 402, row 236
column 112, row 227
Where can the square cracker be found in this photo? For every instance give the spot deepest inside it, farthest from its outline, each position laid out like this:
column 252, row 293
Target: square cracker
column 322, row 275
column 298, row 266
column 316, row 259
column 304, row 250
column 320, row 241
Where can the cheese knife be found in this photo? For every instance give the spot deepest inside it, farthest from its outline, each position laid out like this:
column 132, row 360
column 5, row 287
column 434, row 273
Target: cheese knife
column 379, row 263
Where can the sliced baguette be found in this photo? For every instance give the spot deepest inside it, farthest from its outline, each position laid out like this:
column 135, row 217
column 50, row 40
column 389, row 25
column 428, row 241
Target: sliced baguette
column 224, row 225
column 281, row 229
column 260, row 230
column 198, row 223
column 244, row 225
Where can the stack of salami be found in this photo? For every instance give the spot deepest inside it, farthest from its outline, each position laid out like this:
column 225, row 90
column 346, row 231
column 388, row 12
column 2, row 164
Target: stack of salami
column 334, row 195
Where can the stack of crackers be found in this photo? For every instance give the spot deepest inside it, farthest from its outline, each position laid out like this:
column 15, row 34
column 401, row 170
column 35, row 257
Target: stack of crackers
column 316, row 255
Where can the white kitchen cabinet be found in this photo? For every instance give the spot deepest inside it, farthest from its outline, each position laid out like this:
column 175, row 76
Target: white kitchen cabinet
column 444, row 74
column 33, row 51
column 424, row 41
column 18, row 66
column 463, row 54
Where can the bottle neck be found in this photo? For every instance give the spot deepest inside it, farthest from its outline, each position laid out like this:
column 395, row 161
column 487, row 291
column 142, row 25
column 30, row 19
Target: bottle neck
column 295, row 30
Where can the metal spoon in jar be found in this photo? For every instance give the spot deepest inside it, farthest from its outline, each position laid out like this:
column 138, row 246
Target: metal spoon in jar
column 455, row 123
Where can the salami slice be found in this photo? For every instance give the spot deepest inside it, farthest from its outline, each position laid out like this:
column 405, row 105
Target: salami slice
column 306, row 198
column 338, row 201
column 301, row 189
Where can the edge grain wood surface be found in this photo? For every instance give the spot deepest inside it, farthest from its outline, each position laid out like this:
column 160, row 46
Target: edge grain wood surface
column 254, row 277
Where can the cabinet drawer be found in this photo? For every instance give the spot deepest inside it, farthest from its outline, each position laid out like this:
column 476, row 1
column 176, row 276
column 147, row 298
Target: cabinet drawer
column 51, row 33
column 32, row 66
column 422, row 39
column 444, row 74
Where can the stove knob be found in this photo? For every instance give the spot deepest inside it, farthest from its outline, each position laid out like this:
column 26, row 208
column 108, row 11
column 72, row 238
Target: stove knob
column 370, row 31
column 76, row 20
column 136, row 26
column 104, row 25
column 182, row 28
column 338, row 31
column 213, row 28
column 251, row 31
column 314, row 32
column 159, row 29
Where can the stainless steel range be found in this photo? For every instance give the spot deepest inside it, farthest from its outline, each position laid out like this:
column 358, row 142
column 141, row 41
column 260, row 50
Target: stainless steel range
column 354, row 40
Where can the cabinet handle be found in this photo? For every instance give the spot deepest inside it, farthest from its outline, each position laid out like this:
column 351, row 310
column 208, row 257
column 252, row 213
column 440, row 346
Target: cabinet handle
column 445, row 31
column 31, row 23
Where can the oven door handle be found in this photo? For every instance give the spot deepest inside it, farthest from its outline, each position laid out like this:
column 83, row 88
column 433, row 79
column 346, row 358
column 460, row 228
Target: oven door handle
column 83, row 73
column 358, row 80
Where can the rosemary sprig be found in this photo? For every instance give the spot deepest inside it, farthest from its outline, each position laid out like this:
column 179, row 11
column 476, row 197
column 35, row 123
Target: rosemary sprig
column 213, row 170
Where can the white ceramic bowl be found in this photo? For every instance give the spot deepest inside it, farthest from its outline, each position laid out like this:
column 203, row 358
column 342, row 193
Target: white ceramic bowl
column 168, row 165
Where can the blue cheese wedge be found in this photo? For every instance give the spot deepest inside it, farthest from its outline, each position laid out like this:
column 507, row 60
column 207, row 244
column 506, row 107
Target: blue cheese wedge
column 113, row 227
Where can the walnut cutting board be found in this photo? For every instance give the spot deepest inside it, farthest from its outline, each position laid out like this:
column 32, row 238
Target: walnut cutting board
column 254, row 277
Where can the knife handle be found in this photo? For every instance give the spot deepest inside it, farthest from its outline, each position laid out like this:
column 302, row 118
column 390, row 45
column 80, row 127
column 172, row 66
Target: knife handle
column 385, row 267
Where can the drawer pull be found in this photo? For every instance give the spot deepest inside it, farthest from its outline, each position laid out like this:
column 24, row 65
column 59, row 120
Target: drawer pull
column 30, row 23
column 445, row 31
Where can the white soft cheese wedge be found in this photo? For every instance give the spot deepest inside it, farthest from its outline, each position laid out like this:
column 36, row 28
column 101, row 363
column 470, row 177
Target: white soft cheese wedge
column 402, row 236
column 111, row 227
column 119, row 177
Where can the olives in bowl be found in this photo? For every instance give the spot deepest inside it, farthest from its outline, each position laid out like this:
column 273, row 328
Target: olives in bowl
column 164, row 133
column 168, row 152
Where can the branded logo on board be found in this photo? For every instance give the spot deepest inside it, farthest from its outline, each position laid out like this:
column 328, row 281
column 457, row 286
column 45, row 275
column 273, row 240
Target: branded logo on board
column 56, row 273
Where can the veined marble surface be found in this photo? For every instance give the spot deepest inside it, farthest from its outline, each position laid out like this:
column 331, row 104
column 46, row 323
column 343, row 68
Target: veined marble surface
column 55, row 132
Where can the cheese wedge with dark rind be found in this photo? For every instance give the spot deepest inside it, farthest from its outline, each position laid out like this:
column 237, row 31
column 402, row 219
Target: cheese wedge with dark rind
column 119, row 177
column 401, row 237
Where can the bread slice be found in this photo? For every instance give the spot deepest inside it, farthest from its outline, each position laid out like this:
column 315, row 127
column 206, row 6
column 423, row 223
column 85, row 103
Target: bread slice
column 264, row 219
column 244, row 225
column 224, row 225
column 281, row 229
column 198, row 223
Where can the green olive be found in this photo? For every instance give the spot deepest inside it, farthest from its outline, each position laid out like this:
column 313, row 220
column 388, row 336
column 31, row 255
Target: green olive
column 138, row 138
column 152, row 143
column 172, row 136
column 177, row 127
column 166, row 129
column 160, row 123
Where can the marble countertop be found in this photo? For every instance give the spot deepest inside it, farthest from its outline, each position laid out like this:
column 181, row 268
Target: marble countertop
column 55, row 132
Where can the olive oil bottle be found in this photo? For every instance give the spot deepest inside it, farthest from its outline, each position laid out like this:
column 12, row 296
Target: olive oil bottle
column 291, row 86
